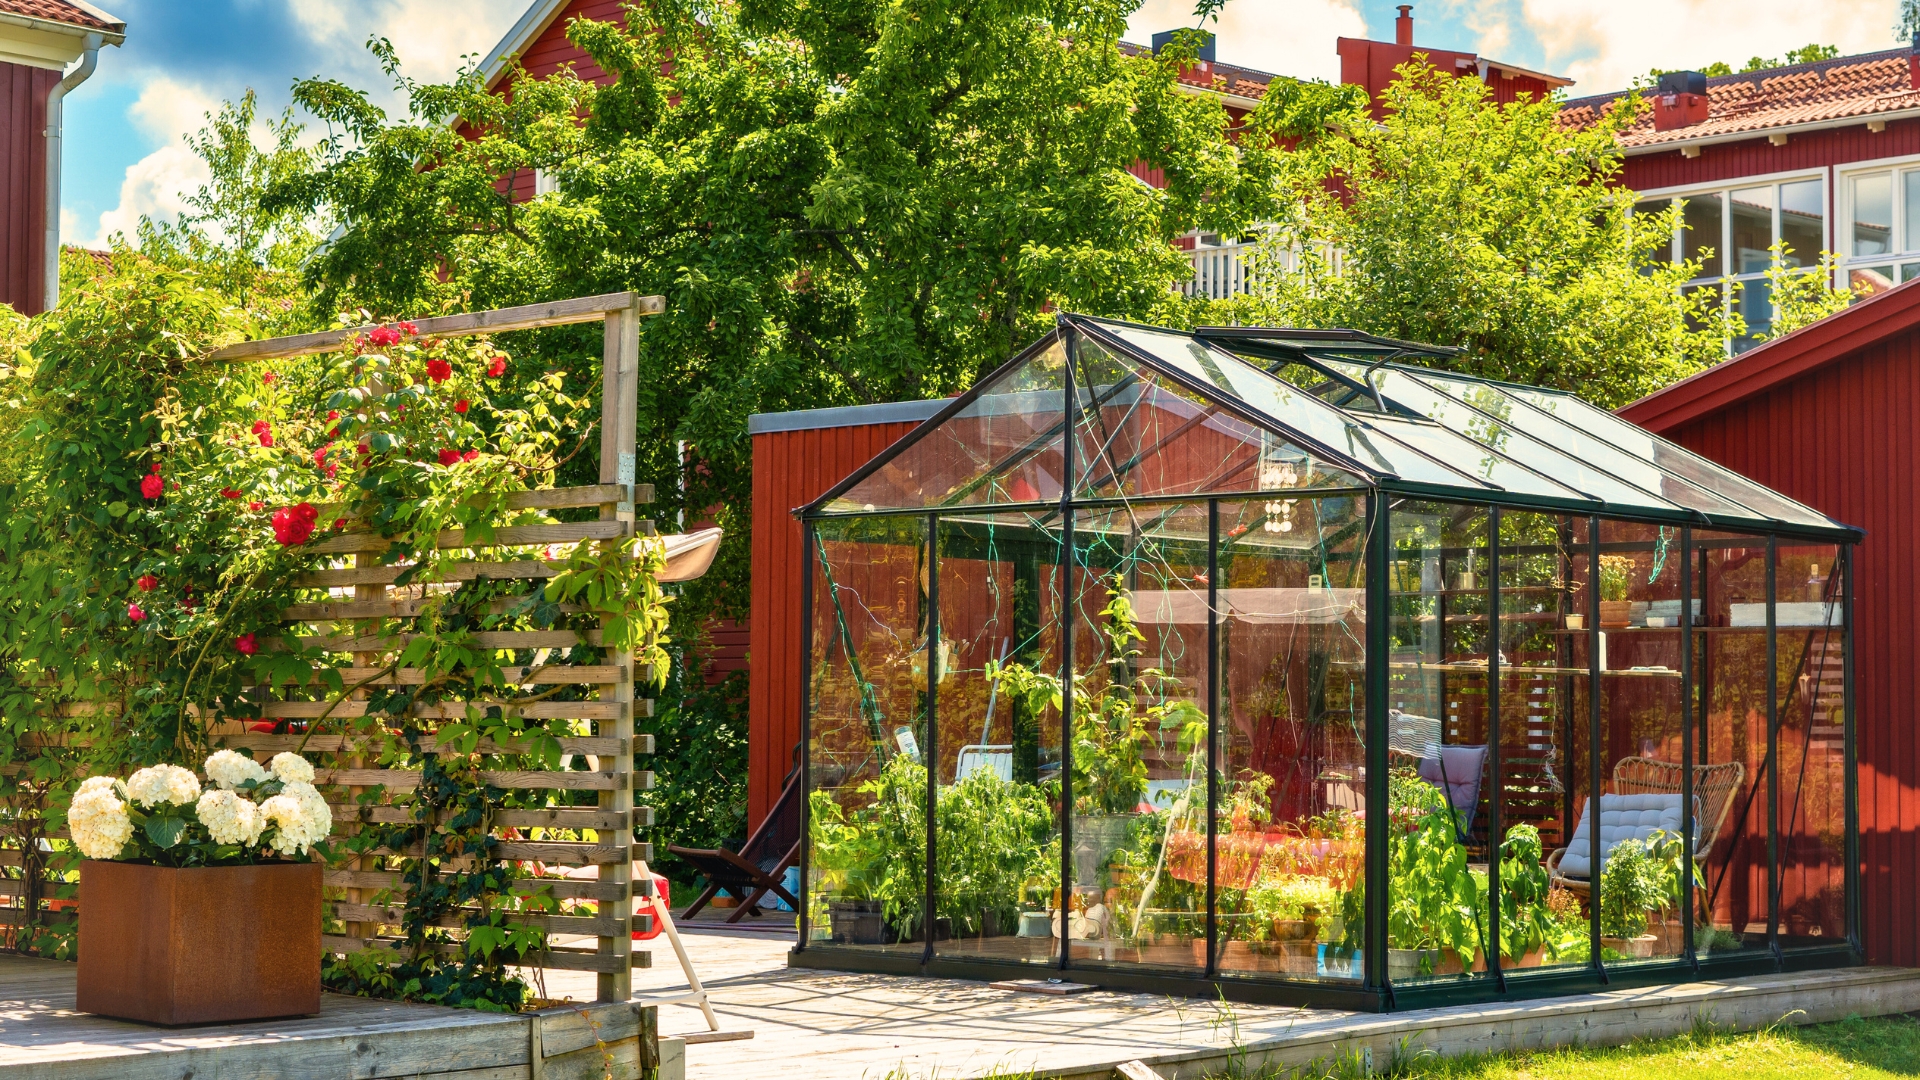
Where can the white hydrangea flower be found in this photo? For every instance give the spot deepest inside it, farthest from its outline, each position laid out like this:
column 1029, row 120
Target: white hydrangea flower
column 230, row 769
column 291, row 769
column 302, row 815
column 98, row 783
column 163, row 784
column 229, row 818
column 98, row 821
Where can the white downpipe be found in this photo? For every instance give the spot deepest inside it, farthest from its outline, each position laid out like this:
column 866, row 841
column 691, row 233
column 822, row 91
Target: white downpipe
column 91, row 59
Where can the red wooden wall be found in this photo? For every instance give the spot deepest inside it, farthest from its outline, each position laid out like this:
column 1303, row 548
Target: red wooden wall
column 1842, row 439
column 790, row 469
column 1758, row 157
column 23, row 184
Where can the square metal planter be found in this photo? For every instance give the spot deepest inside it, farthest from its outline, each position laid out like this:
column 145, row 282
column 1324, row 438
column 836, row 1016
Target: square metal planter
column 200, row 945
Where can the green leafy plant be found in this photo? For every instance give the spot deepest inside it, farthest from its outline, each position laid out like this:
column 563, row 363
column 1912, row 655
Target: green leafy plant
column 1433, row 899
column 1526, row 922
column 1616, row 577
column 1639, row 876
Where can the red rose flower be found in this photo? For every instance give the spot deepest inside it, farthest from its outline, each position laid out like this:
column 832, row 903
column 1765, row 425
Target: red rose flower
column 469, row 455
column 449, row 457
column 151, row 486
column 246, row 644
column 439, row 371
column 320, row 455
column 339, row 523
column 294, row 524
column 382, row 336
column 231, row 493
column 461, row 406
column 333, row 414
column 364, row 449
column 264, row 432
column 254, row 506
column 267, row 378
column 146, row 582
column 408, row 327
column 332, row 471
column 497, row 368
column 135, row 613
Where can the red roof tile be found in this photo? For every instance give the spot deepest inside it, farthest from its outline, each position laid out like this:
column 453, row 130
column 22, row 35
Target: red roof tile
column 1844, row 88
column 61, row 11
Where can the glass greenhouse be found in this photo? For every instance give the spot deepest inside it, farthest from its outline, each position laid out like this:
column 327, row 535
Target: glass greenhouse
column 1113, row 663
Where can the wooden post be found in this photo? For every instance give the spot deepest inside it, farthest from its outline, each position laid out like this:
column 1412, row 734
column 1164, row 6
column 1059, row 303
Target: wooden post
column 619, row 417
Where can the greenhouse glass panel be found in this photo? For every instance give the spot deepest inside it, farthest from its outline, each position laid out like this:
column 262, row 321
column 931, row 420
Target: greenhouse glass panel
column 1110, row 668
column 997, row 745
column 1003, row 446
column 1141, row 434
column 1586, row 447
column 1137, row 848
column 1291, row 753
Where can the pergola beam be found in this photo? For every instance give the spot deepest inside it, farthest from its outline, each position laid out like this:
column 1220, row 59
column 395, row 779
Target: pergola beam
column 526, row 317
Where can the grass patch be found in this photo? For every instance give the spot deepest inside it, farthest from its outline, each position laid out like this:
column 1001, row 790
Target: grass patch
column 1856, row 1049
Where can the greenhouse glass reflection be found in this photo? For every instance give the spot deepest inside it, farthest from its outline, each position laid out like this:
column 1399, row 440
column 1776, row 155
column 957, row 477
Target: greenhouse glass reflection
column 1292, row 666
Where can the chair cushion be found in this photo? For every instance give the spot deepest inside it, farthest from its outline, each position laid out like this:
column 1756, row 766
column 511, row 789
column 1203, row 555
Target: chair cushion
column 1456, row 771
column 1622, row 817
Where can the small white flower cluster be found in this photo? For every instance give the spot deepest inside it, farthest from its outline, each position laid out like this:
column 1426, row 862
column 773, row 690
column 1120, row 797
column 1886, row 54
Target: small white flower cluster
column 301, row 814
column 229, row 818
column 230, row 769
column 291, row 769
column 101, row 824
column 98, row 819
column 159, row 784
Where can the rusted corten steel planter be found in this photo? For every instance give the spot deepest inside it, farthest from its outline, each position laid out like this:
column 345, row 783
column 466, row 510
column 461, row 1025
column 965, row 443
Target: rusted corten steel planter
column 195, row 946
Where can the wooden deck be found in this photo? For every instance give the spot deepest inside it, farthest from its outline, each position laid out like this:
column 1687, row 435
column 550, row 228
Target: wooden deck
column 823, row 1025
column 42, row 1038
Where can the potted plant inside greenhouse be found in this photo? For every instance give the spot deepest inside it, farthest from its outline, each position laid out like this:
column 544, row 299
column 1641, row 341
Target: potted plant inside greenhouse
column 1269, row 662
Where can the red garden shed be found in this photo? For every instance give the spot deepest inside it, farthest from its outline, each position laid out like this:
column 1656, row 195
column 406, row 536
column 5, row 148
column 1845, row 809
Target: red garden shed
column 1826, row 415
column 797, row 456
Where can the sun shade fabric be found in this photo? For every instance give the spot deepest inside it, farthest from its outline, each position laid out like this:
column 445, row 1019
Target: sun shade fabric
column 1622, row 817
column 1160, row 413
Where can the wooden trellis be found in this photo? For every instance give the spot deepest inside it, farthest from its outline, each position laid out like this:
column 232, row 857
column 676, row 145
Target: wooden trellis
column 364, row 894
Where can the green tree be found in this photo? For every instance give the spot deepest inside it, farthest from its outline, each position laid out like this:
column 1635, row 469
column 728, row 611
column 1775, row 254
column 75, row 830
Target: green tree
column 227, row 236
column 842, row 203
column 1457, row 221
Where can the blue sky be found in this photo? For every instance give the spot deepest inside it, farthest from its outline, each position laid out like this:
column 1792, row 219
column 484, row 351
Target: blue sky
column 125, row 155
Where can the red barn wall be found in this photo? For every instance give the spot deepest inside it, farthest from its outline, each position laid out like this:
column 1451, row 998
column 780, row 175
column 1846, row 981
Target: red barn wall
column 790, row 469
column 1842, row 440
column 23, row 184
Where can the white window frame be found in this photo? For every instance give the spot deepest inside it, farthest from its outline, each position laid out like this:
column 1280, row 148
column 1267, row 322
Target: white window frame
column 1723, row 247
column 1904, row 262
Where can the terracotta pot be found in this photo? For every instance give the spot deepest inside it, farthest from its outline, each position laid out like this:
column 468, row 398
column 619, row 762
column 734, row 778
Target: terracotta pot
column 1616, row 613
column 1638, row 947
column 200, row 945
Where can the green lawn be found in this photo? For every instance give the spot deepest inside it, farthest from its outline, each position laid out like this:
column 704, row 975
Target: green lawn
column 1857, row 1049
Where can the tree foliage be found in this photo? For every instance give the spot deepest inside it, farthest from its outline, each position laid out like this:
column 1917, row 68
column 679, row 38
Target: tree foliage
column 1495, row 228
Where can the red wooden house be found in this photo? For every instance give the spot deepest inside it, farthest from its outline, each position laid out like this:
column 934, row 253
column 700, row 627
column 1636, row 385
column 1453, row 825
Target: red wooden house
column 1825, row 415
column 39, row 40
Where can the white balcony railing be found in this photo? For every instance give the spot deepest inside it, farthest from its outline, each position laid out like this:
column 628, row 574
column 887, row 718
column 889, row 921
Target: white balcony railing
column 1219, row 270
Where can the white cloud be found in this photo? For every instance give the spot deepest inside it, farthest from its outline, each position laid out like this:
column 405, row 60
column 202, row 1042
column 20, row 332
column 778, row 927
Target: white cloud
column 1294, row 37
column 1603, row 46
column 431, row 37
column 156, row 186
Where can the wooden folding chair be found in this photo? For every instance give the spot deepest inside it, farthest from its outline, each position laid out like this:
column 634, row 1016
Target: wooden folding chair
column 756, row 870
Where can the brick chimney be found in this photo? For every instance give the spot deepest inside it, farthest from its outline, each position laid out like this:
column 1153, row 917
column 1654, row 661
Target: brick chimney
column 1403, row 26
column 1681, row 100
